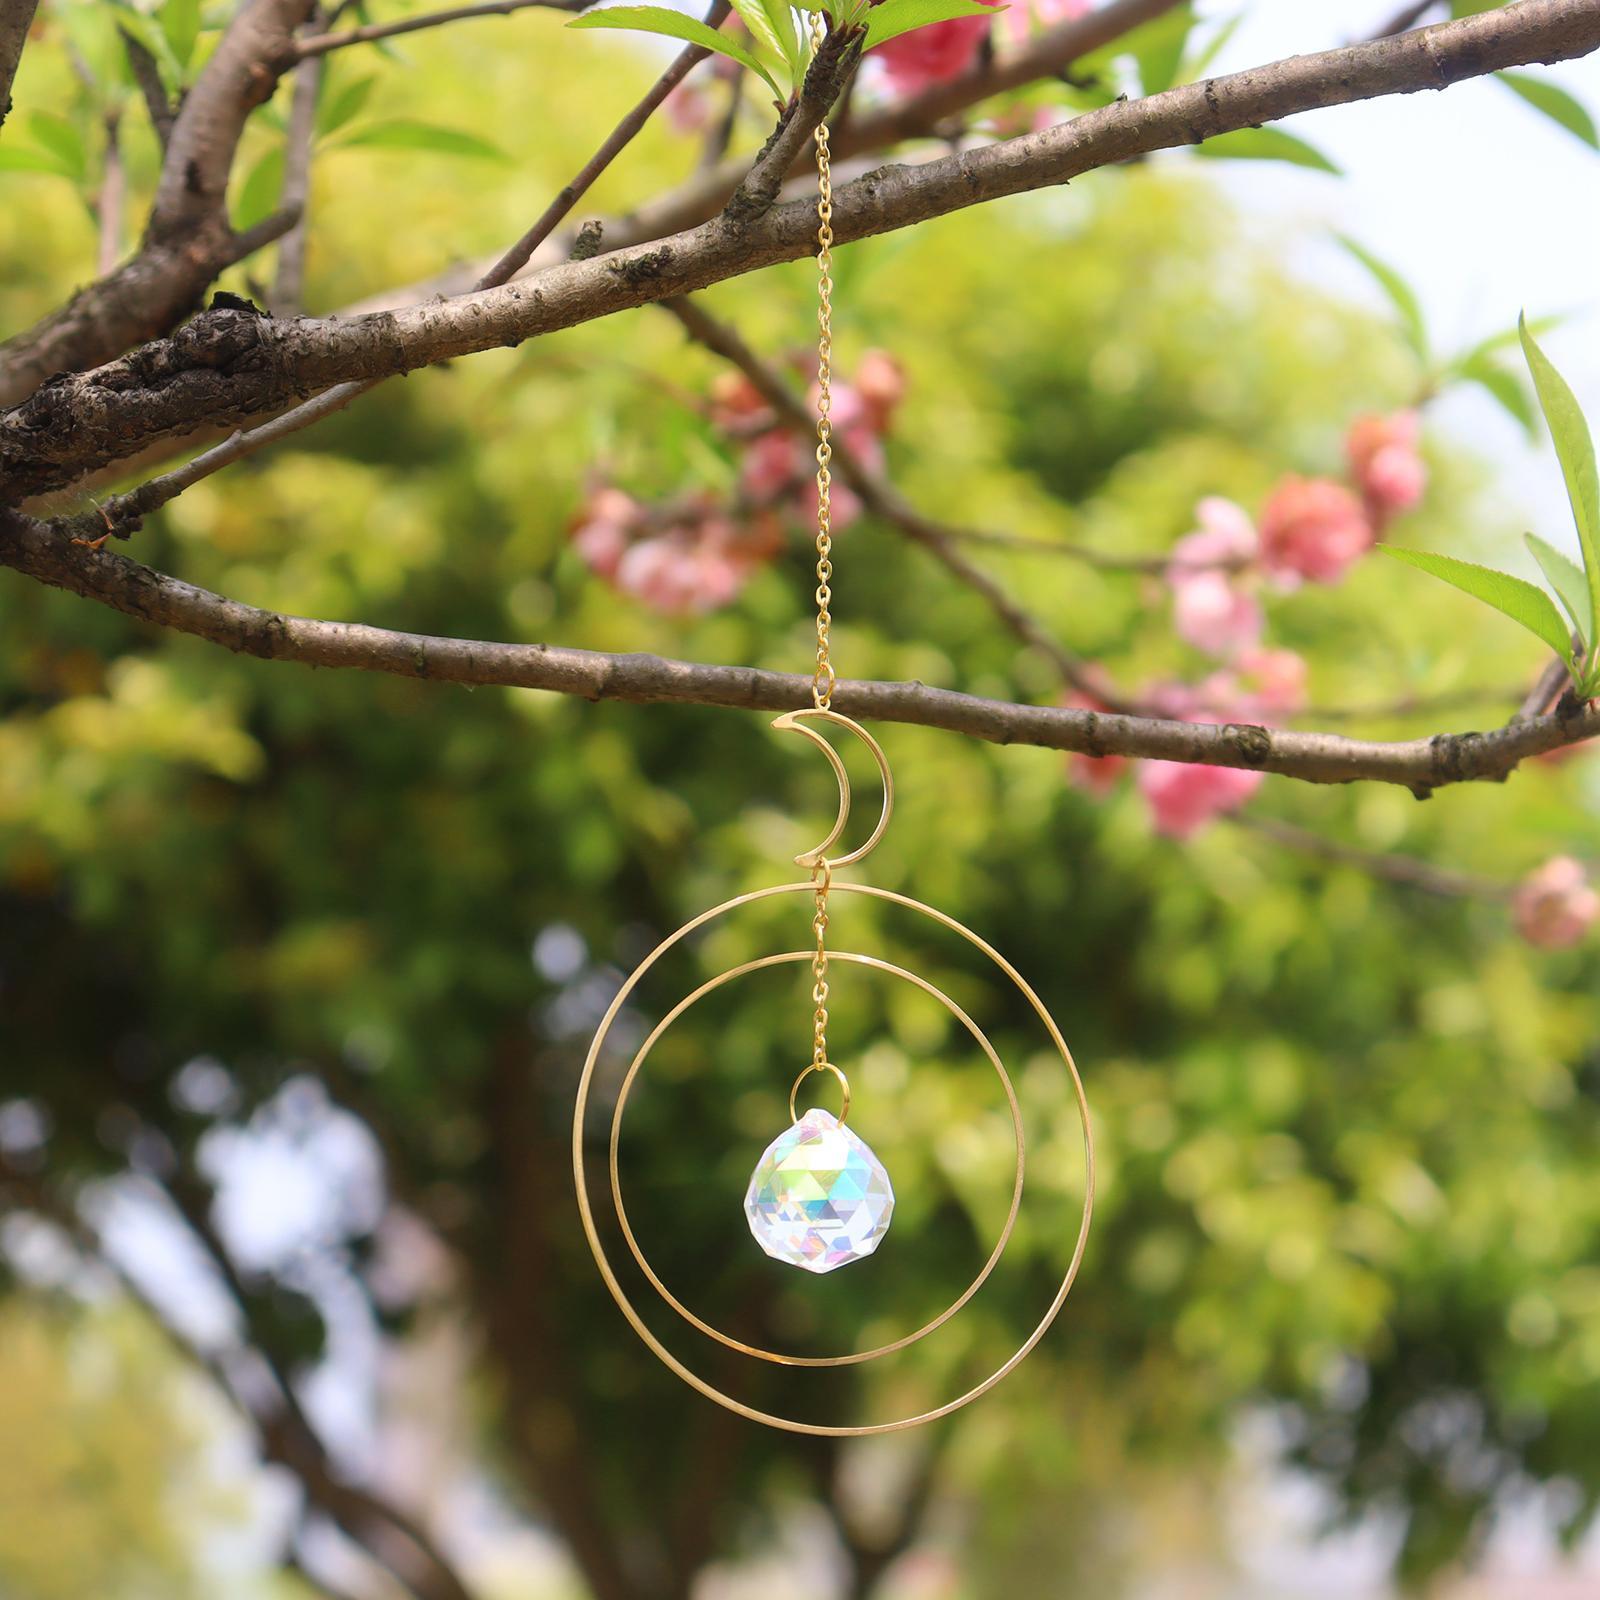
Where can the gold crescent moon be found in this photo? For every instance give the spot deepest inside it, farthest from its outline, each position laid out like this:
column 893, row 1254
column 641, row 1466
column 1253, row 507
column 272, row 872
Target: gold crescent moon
column 797, row 722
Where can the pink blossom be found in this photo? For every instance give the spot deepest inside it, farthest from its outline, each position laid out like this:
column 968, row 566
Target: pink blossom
column 1388, row 469
column 1214, row 614
column 603, row 528
column 736, row 403
column 1312, row 528
column 1274, row 682
column 1023, row 18
column 935, row 54
column 687, row 109
column 1211, row 609
column 1184, row 796
column 774, row 463
column 1555, row 905
column 881, row 383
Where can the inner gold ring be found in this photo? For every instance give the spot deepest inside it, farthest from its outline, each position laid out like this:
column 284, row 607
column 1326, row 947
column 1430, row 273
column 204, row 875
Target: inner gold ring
column 788, row 958
column 821, row 1066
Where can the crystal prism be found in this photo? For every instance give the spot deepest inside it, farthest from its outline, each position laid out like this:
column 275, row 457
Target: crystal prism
column 819, row 1198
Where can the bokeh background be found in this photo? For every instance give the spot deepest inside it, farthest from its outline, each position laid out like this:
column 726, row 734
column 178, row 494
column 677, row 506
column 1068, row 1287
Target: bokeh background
column 297, row 970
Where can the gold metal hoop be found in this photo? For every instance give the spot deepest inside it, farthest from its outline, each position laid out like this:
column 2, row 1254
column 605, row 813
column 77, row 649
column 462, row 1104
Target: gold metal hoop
column 797, row 722
column 626, row 1306
column 637, row 1065
column 826, row 1066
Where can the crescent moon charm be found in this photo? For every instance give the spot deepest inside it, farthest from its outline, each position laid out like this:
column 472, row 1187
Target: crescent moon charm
column 797, row 722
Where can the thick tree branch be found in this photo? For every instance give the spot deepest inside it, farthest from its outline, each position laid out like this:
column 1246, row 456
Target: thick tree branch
column 1421, row 765
column 123, row 512
column 188, row 240
column 319, row 44
column 16, row 18
column 1053, row 52
column 230, row 368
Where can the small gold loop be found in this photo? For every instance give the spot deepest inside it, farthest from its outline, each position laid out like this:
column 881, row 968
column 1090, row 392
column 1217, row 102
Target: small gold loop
column 820, row 1066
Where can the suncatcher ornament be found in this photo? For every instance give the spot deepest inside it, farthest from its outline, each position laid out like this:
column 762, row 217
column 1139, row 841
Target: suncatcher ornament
column 819, row 1198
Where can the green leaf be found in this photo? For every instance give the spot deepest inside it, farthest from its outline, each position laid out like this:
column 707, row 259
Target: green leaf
column 62, row 139
column 894, row 17
column 180, row 22
column 1505, row 387
column 258, row 195
column 1158, row 49
column 781, row 14
column 22, row 158
column 343, row 103
column 1197, row 64
column 1575, row 450
column 149, row 32
column 1400, row 293
column 403, row 133
column 1266, row 144
column 1555, row 103
column 674, row 25
column 1514, row 597
column 1566, row 578
column 753, row 14
column 1507, row 337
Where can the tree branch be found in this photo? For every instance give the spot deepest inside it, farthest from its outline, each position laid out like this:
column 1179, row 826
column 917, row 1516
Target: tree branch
column 1053, row 52
column 879, row 496
column 319, row 44
column 289, row 276
column 1421, row 765
column 188, row 240
column 123, row 512
column 230, row 368
column 16, row 18
column 1407, row 871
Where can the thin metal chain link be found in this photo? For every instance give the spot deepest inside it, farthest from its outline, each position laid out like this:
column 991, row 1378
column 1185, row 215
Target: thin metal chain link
column 823, row 679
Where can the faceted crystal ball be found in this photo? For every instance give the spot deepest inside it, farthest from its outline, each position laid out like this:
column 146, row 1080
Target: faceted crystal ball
column 819, row 1197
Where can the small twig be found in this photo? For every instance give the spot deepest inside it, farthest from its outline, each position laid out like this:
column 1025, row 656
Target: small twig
column 147, row 74
column 288, row 284
column 320, row 44
column 1405, row 870
column 112, row 197
column 124, row 511
column 880, row 497
column 1408, row 17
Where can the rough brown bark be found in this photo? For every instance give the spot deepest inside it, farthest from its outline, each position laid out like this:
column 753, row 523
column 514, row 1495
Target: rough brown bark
column 16, row 17
column 1421, row 765
column 230, row 367
column 188, row 240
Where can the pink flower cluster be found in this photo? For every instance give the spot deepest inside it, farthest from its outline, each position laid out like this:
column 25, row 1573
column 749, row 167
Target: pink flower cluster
column 1311, row 530
column 698, row 554
column 1555, row 905
column 926, row 56
column 693, row 560
column 780, row 466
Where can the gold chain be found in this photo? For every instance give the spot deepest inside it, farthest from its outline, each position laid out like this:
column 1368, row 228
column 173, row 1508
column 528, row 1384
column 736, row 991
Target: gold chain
column 823, row 679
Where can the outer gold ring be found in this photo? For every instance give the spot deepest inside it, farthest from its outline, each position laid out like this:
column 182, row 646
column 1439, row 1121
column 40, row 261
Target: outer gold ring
column 656, row 1347
column 819, row 1066
column 713, row 1332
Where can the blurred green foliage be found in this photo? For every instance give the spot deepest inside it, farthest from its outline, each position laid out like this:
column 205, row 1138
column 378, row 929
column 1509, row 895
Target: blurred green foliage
column 1346, row 1132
